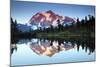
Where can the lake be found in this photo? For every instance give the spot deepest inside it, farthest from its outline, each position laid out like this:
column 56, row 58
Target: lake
column 46, row 51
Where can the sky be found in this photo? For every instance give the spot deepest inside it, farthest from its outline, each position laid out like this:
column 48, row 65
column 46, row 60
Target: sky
column 22, row 11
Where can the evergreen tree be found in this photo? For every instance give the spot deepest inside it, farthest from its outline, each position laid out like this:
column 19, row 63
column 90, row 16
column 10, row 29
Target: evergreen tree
column 59, row 25
column 51, row 28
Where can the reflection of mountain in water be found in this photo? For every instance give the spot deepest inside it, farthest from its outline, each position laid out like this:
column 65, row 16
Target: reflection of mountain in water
column 51, row 47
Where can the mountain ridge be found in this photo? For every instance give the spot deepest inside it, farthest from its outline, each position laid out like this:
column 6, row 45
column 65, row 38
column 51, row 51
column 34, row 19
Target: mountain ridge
column 48, row 18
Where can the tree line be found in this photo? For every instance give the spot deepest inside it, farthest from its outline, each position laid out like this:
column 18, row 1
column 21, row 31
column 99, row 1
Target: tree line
column 86, row 25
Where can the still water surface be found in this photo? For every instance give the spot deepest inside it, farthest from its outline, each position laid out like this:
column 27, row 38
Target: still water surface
column 42, row 51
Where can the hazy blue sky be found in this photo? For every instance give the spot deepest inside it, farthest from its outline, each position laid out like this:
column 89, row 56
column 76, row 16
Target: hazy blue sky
column 23, row 11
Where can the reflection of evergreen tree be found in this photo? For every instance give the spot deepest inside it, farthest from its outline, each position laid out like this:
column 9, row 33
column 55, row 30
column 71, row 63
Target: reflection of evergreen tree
column 13, row 48
column 86, row 45
column 51, row 43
